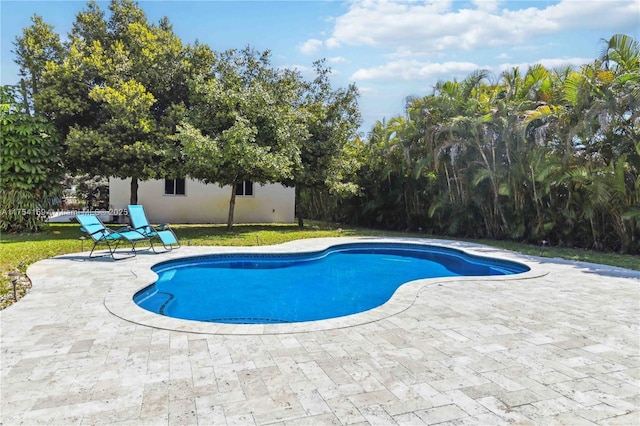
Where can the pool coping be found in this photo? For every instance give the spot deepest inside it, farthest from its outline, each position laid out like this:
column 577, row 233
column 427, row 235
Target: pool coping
column 119, row 299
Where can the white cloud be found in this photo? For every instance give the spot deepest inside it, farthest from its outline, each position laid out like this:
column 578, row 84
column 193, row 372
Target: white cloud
column 487, row 5
column 415, row 70
column 332, row 43
column 437, row 26
column 596, row 15
column 410, row 45
column 310, row 46
column 337, row 60
column 409, row 52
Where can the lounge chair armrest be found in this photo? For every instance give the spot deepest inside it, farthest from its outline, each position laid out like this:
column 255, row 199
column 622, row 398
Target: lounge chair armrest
column 101, row 233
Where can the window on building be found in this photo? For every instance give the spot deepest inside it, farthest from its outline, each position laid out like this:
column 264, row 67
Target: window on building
column 174, row 186
column 244, row 189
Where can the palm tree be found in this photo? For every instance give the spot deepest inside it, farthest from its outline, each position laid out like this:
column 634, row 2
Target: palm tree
column 541, row 155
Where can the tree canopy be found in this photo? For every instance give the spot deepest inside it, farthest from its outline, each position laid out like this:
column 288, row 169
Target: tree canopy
column 244, row 124
column 119, row 87
column 116, row 91
column 540, row 155
column 545, row 156
column 332, row 119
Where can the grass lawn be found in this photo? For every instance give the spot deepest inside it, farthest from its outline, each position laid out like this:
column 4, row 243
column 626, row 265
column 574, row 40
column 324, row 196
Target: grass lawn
column 19, row 251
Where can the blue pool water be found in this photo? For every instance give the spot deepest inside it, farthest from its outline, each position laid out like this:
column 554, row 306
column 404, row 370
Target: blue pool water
column 280, row 288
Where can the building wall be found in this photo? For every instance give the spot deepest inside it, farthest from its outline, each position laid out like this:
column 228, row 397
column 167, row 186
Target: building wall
column 202, row 203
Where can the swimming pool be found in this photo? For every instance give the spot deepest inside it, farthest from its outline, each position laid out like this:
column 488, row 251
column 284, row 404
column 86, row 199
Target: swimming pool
column 285, row 288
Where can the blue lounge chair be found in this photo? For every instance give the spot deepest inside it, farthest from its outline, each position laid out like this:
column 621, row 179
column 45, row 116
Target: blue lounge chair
column 99, row 233
column 163, row 233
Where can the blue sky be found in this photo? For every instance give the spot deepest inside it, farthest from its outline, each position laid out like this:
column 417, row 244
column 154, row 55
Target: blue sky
column 390, row 49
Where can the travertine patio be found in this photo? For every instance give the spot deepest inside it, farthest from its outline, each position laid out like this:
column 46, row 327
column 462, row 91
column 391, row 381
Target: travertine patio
column 557, row 345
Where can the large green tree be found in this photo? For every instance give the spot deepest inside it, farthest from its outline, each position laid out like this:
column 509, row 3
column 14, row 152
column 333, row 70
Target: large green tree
column 117, row 94
column 332, row 121
column 37, row 46
column 244, row 123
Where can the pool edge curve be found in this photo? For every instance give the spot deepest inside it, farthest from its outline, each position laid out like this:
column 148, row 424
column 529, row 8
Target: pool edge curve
column 119, row 300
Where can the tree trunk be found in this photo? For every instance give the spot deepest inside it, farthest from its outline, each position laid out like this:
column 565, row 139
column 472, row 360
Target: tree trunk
column 299, row 207
column 25, row 97
column 134, row 191
column 232, row 206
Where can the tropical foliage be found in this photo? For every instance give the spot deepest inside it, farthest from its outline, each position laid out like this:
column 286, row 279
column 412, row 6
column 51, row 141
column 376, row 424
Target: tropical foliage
column 550, row 156
column 30, row 171
column 544, row 156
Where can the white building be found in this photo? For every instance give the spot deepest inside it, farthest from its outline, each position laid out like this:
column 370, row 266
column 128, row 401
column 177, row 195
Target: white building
column 191, row 201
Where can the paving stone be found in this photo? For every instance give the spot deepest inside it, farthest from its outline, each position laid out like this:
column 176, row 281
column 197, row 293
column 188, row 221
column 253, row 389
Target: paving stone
column 482, row 419
column 155, row 403
column 208, row 412
column 375, row 415
column 599, row 412
column 441, row 414
column 240, row 419
column 630, row 419
column 501, row 410
column 570, row 419
column 469, row 405
column 345, row 411
column 321, row 419
column 408, row 419
column 561, row 347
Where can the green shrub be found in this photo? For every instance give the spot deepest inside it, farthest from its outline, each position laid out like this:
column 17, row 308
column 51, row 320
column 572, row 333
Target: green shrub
column 30, row 171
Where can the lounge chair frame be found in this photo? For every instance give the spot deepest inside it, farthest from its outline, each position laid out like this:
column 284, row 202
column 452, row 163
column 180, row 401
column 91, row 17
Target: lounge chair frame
column 100, row 234
column 163, row 232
